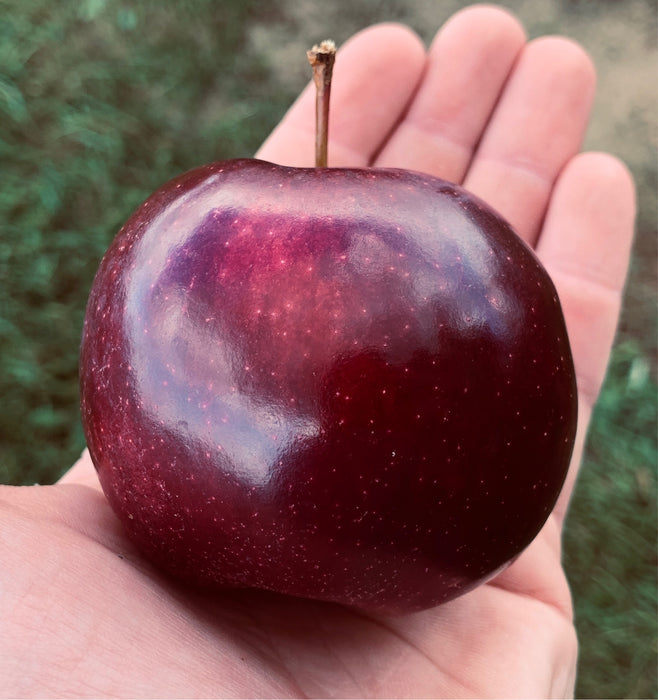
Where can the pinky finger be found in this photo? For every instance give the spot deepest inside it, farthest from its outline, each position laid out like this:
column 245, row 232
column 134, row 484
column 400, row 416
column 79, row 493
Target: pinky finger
column 585, row 246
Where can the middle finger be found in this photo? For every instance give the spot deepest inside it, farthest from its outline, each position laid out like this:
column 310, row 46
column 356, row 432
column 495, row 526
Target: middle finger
column 468, row 65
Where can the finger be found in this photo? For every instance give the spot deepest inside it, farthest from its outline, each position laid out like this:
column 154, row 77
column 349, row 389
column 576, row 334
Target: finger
column 375, row 75
column 536, row 128
column 585, row 246
column 82, row 472
column 469, row 62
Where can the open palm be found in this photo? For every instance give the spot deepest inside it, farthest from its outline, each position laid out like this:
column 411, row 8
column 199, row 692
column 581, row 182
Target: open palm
column 84, row 615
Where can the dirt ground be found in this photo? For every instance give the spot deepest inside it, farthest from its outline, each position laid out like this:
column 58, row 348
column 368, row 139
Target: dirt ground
column 620, row 37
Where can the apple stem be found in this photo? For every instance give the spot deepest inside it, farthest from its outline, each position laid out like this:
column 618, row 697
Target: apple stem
column 322, row 57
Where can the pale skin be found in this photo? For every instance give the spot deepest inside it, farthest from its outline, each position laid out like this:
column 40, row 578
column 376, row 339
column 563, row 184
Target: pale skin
column 84, row 615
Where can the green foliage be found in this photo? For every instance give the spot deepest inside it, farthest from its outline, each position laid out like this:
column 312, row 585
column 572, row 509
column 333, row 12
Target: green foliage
column 610, row 539
column 101, row 101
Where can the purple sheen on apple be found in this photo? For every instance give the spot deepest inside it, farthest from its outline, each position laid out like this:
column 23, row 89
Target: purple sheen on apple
column 351, row 385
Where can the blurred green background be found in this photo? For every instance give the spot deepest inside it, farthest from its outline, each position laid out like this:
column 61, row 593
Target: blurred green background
column 101, row 101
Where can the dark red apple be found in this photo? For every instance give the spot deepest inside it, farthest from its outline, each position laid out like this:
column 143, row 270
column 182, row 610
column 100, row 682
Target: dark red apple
column 352, row 385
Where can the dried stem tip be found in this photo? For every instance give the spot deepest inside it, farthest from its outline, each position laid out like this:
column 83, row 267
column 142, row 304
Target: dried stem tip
column 322, row 57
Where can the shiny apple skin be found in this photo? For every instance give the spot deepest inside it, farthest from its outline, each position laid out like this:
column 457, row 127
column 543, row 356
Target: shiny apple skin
column 350, row 385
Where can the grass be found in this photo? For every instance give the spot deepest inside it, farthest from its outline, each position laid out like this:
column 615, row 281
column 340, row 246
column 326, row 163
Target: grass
column 95, row 113
column 100, row 102
column 610, row 539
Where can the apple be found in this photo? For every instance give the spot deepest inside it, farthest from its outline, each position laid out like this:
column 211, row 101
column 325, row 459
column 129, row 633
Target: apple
column 346, row 384
column 350, row 385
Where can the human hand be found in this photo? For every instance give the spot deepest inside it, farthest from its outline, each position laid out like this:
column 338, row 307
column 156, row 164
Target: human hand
column 84, row 615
